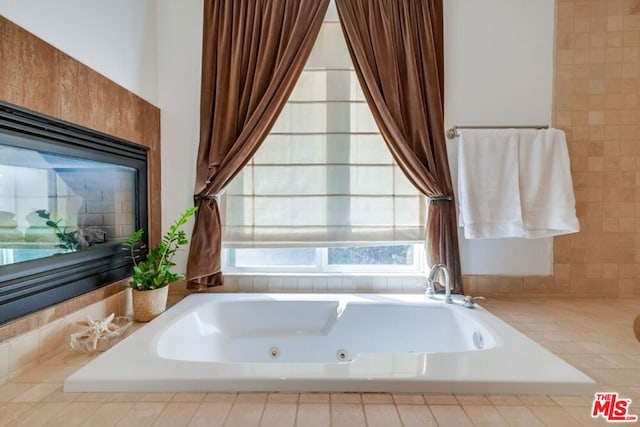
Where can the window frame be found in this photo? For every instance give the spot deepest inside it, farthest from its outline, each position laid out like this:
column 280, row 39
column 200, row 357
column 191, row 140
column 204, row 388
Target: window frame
column 322, row 265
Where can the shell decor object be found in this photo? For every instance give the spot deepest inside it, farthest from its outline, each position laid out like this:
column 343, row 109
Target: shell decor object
column 100, row 335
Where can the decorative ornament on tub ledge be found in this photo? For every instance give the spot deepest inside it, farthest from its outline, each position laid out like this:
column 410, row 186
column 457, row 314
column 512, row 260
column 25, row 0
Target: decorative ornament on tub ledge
column 100, row 335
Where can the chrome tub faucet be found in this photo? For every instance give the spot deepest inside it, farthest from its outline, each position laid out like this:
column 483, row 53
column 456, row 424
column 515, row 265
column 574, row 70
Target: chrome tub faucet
column 431, row 281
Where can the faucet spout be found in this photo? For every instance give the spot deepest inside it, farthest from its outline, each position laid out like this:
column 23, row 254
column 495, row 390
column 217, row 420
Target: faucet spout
column 431, row 280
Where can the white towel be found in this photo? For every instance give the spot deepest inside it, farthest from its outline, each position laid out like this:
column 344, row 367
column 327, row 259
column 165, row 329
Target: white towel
column 488, row 190
column 546, row 189
column 515, row 183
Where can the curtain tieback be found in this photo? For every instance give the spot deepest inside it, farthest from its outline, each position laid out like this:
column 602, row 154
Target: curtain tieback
column 216, row 197
column 441, row 198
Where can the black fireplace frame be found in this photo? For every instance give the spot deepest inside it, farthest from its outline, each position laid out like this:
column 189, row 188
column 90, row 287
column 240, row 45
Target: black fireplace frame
column 30, row 286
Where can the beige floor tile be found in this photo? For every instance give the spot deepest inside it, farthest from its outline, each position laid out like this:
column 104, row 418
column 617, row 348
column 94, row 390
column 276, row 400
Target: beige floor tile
column 602, row 348
column 565, row 401
column 11, row 412
column 377, row 398
column 142, row 414
column 536, row 400
column 440, row 399
column 44, row 373
column 279, row 414
column 108, row 414
column 484, row 415
column 554, row 416
column 450, row 415
column 37, row 392
column 60, row 373
column 40, row 414
column 211, row 414
column 188, row 397
column 416, row 415
column 408, row 399
column 66, row 356
column 155, row 397
column 504, row 400
column 245, row 414
column 381, row 415
column 519, row 416
column 472, row 399
column 283, row 397
column 125, row 397
column 251, row 397
column 313, row 415
column 615, row 377
column 59, row 395
column 176, row 414
column 566, row 348
column 220, row 397
column 8, row 391
column 74, row 414
column 314, row 398
column 93, row 397
column 582, row 414
column 347, row 415
column 346, row 398
column 55, row 356
column 621, row 360
column 587, row 360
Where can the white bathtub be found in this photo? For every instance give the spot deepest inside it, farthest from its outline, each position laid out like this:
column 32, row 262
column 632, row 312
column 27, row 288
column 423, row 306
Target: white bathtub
column 297, row 343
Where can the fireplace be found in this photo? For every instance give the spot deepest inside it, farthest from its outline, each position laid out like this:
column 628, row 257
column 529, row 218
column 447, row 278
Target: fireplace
column 69, row 196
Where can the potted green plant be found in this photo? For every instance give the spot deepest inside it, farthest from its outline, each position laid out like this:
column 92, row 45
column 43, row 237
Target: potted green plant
column 152, row 275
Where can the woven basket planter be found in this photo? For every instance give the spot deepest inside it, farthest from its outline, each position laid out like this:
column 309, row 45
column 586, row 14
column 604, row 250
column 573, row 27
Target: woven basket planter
column 149, row 304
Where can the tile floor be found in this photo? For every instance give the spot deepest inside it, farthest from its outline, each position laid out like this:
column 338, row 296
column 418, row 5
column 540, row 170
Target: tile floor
column 595, row 335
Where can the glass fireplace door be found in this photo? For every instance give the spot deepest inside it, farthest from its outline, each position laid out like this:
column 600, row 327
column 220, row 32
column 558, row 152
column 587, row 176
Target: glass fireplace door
column 52, row 204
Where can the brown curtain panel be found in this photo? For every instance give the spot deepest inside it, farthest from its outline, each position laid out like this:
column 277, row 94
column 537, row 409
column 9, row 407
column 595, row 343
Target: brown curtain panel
column 252, row 55
column 397, row 50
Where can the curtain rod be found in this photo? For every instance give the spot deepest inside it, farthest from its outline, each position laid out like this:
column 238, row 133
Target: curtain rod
column 453, row 132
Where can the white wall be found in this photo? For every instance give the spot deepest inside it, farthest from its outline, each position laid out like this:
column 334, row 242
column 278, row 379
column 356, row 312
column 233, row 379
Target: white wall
column 179, row 64
column 498, row 71
column 117, row 38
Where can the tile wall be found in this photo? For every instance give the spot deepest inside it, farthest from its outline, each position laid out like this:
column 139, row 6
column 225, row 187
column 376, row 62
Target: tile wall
column 597, row 85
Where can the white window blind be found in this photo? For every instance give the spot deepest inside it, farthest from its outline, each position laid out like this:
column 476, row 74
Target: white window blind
column 324, row 176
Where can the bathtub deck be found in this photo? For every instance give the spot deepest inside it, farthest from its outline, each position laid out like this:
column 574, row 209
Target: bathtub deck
column 593, row 334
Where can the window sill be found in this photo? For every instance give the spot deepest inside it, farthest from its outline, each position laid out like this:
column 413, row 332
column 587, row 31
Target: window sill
column 323, row 274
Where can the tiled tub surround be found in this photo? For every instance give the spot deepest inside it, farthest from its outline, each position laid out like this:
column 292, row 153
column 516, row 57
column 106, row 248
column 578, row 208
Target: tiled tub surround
column 594, row 335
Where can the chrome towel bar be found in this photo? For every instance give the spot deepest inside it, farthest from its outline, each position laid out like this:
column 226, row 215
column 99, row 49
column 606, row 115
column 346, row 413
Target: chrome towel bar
column 453, row 132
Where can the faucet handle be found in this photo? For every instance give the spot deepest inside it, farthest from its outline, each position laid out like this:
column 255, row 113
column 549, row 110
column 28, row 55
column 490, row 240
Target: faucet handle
column 470, row 302
column 428, row 288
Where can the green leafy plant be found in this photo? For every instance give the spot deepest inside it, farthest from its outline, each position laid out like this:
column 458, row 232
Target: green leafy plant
column 154, row 271
column 69, row 240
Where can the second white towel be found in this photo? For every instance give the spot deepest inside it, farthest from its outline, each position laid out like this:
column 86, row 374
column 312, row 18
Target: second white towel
column 546, row 188
column 515, row 183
